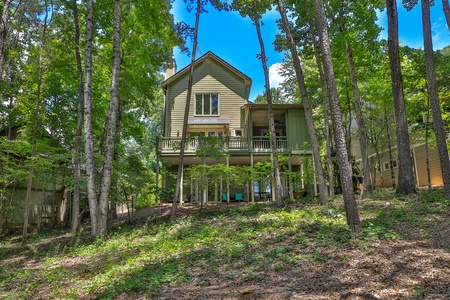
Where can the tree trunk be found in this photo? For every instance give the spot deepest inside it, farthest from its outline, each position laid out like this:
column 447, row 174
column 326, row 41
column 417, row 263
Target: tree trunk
column 434, row 98
column 345, row 169
column 323, row 192
column 3, row 32
column 35, row 131
column 363, row 142
column 446, row 8
column 326, row 116
column 78, row 133
column 186, row 116
column 406, row 178
column 273, row 138
column 391, row 169
column 88, row 135
column 113, row 114
column 114, row 199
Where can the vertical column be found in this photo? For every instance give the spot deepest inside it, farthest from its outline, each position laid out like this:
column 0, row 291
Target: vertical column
column 252, row 187
column 157, row 179
column 196, row 191
column 291, row 188
column 302, row 173
column 228, row 182
column 221, row 188
column 191, row 190
column 315, row 179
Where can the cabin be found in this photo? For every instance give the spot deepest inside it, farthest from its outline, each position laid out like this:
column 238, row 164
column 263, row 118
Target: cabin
column 220, row 109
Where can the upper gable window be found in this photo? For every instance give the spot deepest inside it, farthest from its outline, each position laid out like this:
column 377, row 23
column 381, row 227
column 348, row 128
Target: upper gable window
column 207, row 104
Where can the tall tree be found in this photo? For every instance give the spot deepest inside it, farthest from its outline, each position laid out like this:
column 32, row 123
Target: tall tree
column 406, row 181
column 254, row 9
column 446, row 8
column 179, row 182
column 433, row 95
column 325, row 102
column 78, row 133
column 278, row 188
column 345, row 169
column 3, row 32
column 35, row 129
column 112, row 116
column 88, row 134
column 323, row 192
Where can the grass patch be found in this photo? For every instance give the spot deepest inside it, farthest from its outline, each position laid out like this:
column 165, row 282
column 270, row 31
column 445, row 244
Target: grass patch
column 239, row 244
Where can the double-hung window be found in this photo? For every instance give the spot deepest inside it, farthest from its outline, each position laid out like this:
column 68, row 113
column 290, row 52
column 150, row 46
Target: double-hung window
column 207, row 104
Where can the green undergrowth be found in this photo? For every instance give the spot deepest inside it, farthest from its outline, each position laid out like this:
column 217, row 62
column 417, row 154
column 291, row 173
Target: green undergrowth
column 239, row 244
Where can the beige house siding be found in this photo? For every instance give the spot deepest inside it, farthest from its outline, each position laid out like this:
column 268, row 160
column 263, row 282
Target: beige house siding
column 210, row 76
column 435, row 166
column 230, row 104
column 384, row 178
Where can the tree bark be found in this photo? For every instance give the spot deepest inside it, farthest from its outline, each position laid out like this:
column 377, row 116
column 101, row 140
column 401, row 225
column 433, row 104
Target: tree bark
column 446, row 8
column 186, row 115
column 363, row 141
column 78, row 133
column 273, row 144
column 113, row 113
column 115, row 187
column 35, row 130
column 326, row 116
column 406, row 178
column 434, row 98
column 323, row 192
column 345, row 169
column 3, row 32
column 391, row 169
column 88, row 135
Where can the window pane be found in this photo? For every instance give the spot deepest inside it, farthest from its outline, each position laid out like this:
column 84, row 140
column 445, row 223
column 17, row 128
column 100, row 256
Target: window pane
column 206, row 105
column 215, row 104
column 198, row 104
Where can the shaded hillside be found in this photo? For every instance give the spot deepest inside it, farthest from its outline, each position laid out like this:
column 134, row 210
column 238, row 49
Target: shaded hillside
column 303, row 251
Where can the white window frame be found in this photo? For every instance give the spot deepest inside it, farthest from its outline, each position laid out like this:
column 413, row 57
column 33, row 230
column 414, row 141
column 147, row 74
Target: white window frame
column 386, row 166
column 210, row 104
column 378, row 168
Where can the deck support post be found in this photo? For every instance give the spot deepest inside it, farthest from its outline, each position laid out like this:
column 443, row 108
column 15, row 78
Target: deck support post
column 157, row 198
column 252, row 187
column 291, row 188
column 315, row 179
column 228, row 182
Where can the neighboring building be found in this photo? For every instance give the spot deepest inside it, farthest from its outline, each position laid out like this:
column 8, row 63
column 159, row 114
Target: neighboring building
column 386, row 173
column 220, row 107
column 48, row 199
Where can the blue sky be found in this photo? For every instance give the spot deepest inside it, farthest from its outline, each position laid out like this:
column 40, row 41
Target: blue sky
column 234, row 38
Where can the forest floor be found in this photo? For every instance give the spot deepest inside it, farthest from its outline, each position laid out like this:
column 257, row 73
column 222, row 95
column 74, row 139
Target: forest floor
column 245, row 251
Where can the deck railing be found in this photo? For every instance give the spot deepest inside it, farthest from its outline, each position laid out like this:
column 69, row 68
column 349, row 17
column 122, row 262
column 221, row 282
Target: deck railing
column 257, row 143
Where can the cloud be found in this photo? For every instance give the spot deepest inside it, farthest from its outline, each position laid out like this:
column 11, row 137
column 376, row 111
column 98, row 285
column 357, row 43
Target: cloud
column 275, row 78
column 440, row 34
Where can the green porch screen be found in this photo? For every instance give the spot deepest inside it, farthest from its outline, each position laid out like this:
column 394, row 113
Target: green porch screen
column 297, row 130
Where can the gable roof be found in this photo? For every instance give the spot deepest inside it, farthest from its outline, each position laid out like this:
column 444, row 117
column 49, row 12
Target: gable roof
column 201, row 59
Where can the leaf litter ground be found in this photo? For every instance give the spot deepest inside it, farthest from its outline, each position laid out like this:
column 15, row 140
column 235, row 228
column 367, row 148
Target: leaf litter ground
column 254, row 251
